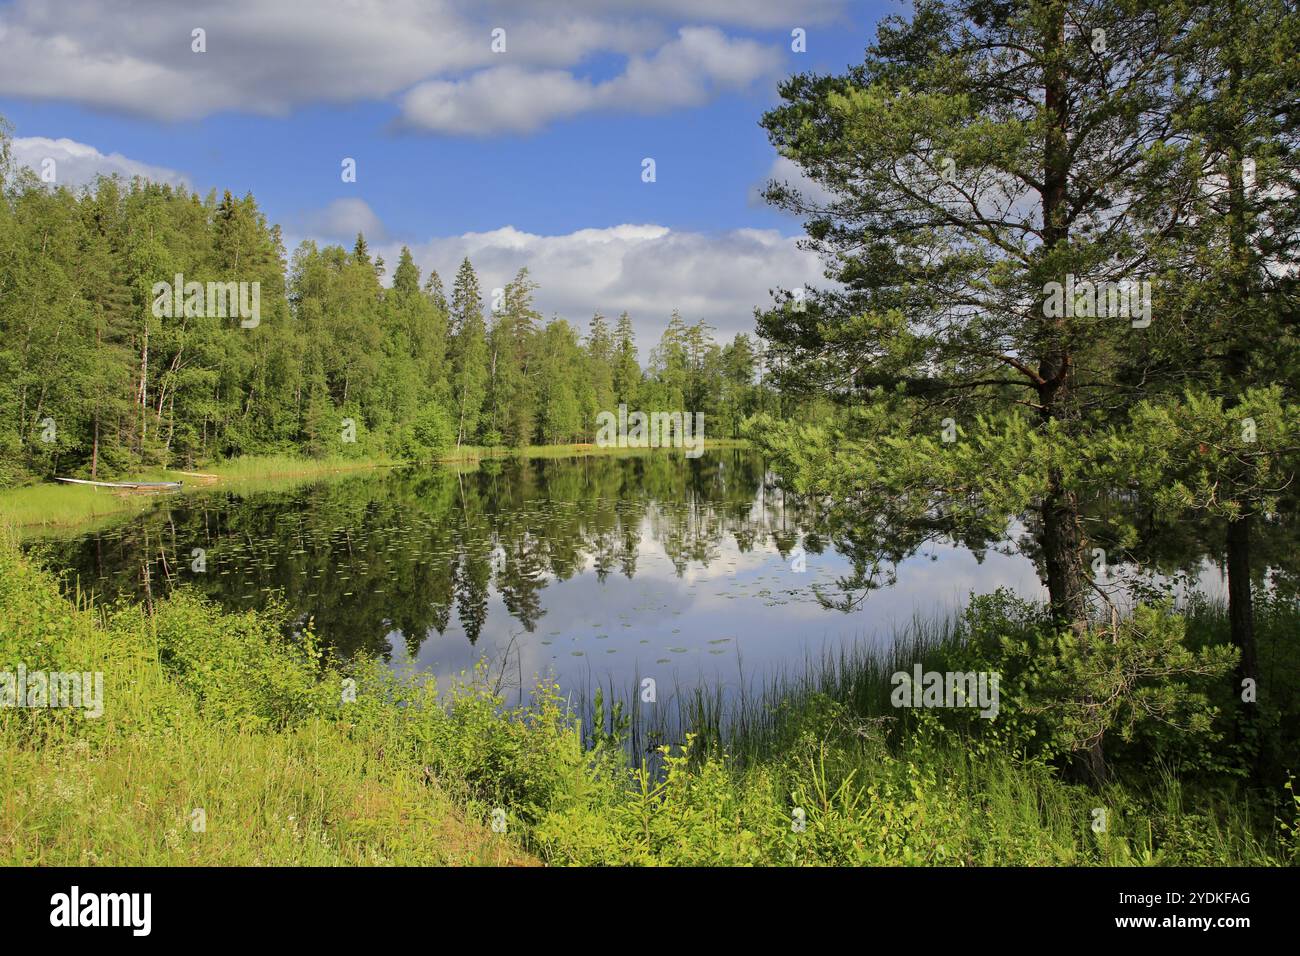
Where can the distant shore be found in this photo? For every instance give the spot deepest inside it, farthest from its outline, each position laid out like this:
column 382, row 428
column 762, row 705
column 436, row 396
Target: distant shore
column 56, row 505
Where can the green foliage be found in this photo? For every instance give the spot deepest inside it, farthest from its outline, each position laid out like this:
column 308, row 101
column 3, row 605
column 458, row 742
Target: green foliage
column 239, row 669
column 1059, row 694
column 1291, row 827
column 1205, row 454
column 238, row 715
column 93, row 385
column 429, row 435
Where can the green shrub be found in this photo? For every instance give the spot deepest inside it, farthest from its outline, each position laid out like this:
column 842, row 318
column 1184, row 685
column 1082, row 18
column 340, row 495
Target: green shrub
column 429, row 435
column 1134, row 680
column 239, row 714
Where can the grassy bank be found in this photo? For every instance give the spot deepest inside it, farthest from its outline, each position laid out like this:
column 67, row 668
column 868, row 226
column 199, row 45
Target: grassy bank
column 238, row 759
column 55, row 505
column 211, row 711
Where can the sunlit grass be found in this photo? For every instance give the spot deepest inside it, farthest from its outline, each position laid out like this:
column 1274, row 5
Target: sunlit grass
column 254, row 469
column 51, row 505
column 222, row 712
column 57, row 505
column 124, row 789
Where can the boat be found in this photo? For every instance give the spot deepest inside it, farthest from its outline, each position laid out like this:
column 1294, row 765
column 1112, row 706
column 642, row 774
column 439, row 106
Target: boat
column 134, row 485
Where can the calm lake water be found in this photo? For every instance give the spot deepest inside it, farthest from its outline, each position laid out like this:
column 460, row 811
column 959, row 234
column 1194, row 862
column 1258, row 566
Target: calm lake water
column 596, row 571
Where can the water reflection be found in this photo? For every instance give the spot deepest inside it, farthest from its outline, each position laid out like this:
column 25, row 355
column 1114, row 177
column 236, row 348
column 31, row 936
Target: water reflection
column 588, row 569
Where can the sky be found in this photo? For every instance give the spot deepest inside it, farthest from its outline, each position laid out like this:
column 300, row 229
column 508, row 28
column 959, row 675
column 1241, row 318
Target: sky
column 513, row 132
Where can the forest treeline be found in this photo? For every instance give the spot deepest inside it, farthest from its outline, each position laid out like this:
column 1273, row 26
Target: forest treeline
column 94, row 383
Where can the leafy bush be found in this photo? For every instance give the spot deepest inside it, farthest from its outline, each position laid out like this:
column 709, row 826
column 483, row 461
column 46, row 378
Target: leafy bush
column 238, row 668
column 427, row 436
column 1060, row 691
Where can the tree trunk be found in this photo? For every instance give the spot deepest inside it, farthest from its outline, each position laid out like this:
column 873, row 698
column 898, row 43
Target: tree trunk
column 1237, row 363
column 1241, row 620
column 144, row 386
column 1062, row 545
column 1240, row 603
column 1061, row 536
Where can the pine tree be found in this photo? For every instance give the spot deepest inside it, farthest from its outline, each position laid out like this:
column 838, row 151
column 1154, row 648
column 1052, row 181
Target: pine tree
column 600, row 366
column 981, row 157
column 512, row 390
column 1229, row 347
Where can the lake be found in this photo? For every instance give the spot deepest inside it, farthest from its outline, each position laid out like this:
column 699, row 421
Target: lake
column 597, row 571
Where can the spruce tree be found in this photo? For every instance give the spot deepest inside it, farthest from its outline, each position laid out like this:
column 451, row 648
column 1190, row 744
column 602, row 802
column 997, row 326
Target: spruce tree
column 468, row 352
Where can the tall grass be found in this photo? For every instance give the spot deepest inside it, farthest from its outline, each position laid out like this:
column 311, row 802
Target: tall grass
column 750, row 719
column 59, row 505
column 256, row 468
column 221, row 712
column 245, row 738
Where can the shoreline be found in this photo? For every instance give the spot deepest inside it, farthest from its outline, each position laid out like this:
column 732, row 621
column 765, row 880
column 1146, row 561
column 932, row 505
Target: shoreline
column 54, row 505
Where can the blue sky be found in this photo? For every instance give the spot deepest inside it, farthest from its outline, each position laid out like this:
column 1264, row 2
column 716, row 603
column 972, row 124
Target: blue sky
column 531, row 156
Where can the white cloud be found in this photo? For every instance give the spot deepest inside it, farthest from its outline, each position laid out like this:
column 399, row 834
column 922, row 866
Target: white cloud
column 342, row 219
column 269, row 56
column 507, row 98
column 753, row 13
column 647, row 270
column 686, row 71
column 700, row 63
column 76, row 164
